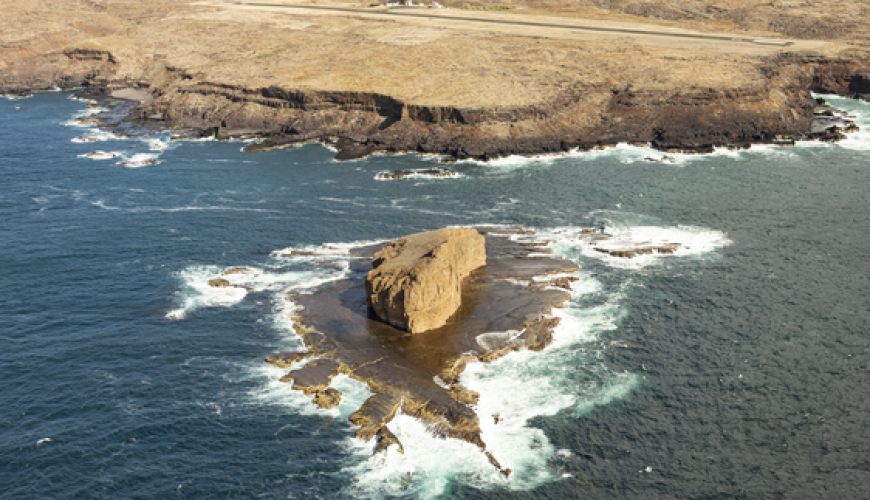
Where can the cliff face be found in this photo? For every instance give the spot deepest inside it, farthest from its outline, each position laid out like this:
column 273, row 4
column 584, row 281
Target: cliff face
column 415, row 283
column 688, row 119
column 69, row 68
column 680, row 119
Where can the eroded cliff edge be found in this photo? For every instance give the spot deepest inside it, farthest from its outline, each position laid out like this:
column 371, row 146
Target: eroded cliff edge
column 684, row 119
column 375, row 84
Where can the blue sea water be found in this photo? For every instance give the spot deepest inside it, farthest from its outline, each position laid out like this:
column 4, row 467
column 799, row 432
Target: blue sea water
column 736, row 368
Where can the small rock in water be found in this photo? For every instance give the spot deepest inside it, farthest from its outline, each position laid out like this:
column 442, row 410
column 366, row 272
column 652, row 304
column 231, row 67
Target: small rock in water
column 629, row 249
column 138, row 163
column 426, row 172
column 218, row 283
column 238, row 270
column 662, row 159
column 327, row 399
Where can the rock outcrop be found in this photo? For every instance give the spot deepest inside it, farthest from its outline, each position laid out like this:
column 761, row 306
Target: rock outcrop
column 418, row 375
column 629, row 249
column 415, row 281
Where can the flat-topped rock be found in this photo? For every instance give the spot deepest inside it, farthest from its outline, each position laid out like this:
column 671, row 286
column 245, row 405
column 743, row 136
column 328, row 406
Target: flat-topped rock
column 415, row 281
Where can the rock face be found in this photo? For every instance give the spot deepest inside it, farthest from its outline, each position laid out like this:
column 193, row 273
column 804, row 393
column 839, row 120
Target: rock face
column 415, row 281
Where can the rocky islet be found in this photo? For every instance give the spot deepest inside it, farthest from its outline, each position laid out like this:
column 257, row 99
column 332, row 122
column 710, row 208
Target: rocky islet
column 419, row 374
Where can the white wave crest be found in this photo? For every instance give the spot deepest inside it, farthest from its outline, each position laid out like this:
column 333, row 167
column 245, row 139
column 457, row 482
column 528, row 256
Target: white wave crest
column 140, row 160
column 101, row 155
column 691, row 241
column 196, row 292
column 325, row 250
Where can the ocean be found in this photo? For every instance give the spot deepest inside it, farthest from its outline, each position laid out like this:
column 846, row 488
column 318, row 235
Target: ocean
column 736, row 367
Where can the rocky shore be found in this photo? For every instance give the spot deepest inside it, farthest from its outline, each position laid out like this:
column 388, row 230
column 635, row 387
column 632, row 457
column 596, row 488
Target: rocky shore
column 358, row 124
column 500, row 102
column 681, row 120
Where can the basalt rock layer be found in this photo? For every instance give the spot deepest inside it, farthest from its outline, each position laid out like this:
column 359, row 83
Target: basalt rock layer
column 674, row 120
column 506, row 306
column 415, row 281
column 688, row 119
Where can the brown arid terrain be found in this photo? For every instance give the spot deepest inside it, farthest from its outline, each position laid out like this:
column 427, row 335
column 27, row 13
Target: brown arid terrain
column 475, row 80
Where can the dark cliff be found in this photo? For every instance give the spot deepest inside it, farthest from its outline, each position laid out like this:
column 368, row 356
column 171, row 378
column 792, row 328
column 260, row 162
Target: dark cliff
column 683, row 119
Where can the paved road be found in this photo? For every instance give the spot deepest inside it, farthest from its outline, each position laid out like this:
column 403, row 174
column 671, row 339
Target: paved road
column 518, row 23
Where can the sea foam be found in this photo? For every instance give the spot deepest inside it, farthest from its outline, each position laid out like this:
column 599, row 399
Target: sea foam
column 693, row 241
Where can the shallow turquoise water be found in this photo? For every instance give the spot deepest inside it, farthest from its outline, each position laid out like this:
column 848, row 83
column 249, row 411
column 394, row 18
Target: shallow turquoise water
column 736, row 369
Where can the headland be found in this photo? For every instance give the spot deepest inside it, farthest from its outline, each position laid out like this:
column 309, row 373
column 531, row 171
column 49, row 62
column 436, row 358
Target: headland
column 475, row 80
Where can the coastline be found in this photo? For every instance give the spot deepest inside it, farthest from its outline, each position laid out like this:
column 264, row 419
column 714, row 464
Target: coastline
column 826, row 124
column 518, row 93
column 359, row 125
column 779, row 296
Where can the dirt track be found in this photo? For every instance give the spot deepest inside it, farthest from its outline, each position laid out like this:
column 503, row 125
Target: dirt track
column 417, row 12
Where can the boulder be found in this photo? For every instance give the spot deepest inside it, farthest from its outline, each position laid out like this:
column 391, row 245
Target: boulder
column 415, row 281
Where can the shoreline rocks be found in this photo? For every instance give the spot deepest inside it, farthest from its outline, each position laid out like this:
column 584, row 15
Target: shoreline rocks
column 629, row 249
column 777, row 109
